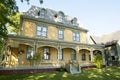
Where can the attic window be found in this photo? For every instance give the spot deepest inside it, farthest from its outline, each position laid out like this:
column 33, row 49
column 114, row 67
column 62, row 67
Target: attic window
column 60, row 18
column 41, row 13
column 74, row 21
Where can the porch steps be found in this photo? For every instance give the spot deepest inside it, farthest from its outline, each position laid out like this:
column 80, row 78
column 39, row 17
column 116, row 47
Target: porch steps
column 73, row 68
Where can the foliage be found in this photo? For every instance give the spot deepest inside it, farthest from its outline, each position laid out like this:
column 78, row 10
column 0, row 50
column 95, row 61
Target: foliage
column 109, row 73
column 98, row 60
column 35, row 58
column 7, row 8
column 14, row 28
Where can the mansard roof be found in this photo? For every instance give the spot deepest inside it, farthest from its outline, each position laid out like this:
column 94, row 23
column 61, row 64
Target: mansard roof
column 51, row 16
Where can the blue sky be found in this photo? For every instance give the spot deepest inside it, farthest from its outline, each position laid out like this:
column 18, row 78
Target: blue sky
column 98, row 16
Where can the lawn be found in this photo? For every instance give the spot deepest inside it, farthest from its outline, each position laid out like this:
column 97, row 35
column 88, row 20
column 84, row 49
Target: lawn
column 109, row 73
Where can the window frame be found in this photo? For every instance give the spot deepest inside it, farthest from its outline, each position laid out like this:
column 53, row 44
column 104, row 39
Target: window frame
column 60, row 55
column 41, row 32
column 61, row 35
column 76, row 36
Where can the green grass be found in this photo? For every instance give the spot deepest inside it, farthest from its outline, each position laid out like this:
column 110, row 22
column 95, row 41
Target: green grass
column 110, row 73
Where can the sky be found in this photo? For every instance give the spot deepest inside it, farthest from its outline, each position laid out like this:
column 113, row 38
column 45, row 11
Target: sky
column 98, row 16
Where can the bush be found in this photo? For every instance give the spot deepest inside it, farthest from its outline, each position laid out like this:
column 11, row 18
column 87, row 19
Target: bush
column 98, row 60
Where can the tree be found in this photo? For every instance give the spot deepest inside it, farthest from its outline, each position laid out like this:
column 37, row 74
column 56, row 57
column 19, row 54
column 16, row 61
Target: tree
column 7, row 8
column 16, row 20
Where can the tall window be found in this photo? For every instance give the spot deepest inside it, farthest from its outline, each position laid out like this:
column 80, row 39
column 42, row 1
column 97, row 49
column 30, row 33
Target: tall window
column 60, row 54
column 60, row 34
column 76, row 36
column 73, row 54
column 29, row 51
column 42, row 31
column 83, row 55
column 42, row 13
column 89, row 57
column 46, row 53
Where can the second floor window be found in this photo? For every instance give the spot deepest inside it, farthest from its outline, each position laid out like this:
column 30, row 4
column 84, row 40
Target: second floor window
column 42, row 31
column 60, row 34
column 76, row 36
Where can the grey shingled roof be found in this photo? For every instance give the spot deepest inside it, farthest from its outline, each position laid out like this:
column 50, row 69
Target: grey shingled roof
column 50, row 15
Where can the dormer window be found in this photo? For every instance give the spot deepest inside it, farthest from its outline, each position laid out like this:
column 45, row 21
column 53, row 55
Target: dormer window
column 74, row 21
column 60, row 16
column 41, row 13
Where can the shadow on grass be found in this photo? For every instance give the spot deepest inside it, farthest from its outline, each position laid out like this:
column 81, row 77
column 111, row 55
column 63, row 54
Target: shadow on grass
column 110, row 73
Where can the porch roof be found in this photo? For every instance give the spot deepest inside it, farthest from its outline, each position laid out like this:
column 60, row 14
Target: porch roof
column 53, row 41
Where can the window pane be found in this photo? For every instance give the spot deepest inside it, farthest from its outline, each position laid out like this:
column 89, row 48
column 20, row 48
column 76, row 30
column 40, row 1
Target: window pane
column 44, row 29
column 38, row 33
column 39, row 28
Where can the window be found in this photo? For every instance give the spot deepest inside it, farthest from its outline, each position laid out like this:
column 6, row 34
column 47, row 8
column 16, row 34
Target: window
column 74, row 22
column 60, row 34
column 73, row 54
column 113, row 58
column 42, row 13
column 46, row 53
column 89, row 57
column 60, row 54
column 83, row 55
column 29, row 51
column 42, row 31
column 76, row 36
column 60, row 17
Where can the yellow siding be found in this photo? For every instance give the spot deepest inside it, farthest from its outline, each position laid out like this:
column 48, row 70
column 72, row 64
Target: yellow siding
column 29, row 28
column 68, row 35
column 66, row 54
column 83, row 37
column 53, row 54
column 52, row 32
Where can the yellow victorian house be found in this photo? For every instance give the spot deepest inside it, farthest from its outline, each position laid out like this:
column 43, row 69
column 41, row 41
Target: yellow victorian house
column 57, row 37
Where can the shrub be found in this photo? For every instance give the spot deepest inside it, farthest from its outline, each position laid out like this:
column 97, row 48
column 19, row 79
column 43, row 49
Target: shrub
column 98, row 60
